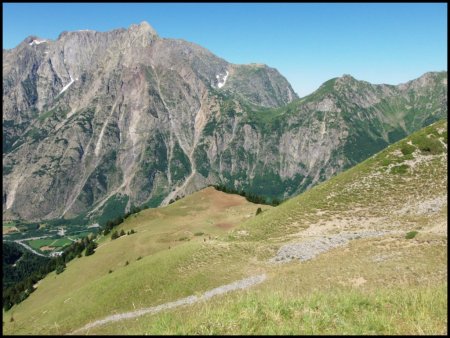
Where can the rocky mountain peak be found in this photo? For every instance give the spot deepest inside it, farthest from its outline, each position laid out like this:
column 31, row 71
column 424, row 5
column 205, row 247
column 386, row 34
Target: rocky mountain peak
column 347, row 76
column 346, row 79
column 128, row 118
column 30, row 38
column 425, row 80
column 144, row 28
column 30, row 41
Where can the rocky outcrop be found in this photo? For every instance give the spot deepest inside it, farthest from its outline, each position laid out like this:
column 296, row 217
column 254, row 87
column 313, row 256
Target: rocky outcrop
column 95, row 119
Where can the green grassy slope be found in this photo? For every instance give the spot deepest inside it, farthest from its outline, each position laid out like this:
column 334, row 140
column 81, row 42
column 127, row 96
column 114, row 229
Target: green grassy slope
column 383, row 285
column 166, row 258
column 373, row 189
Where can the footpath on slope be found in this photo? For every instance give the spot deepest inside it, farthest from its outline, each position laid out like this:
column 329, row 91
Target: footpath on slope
column 302, row 251
column 241, row 284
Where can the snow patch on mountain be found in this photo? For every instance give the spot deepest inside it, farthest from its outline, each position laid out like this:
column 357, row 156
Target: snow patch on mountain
column 221, row 83
column 67, row 85
column 37, row 42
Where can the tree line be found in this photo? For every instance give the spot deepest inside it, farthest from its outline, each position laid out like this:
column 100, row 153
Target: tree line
column 23, row 269
column 20, row 275
column 248, row 195
column 110, row 224
column 116, row 234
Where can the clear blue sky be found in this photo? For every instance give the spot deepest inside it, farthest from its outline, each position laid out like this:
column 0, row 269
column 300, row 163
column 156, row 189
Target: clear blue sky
column 307, row 43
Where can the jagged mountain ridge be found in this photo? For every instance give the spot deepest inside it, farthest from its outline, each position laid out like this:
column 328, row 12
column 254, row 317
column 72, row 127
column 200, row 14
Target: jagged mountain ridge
column 125, row 116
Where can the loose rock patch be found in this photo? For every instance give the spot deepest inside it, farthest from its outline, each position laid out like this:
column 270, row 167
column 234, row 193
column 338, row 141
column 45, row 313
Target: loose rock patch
column 426, row 207
column 308, row 250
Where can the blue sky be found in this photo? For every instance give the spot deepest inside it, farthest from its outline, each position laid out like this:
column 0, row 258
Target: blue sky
column 307, row 43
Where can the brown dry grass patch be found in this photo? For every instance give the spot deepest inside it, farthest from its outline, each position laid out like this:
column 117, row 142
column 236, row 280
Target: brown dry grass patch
column 7, row 230
column 224, row 225
column 221, row 200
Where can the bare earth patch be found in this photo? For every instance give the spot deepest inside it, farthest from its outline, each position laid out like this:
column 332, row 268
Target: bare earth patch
column 224, row 225
column 7, row 230
column 46, row 248
column 227, row 201
column 357, row 281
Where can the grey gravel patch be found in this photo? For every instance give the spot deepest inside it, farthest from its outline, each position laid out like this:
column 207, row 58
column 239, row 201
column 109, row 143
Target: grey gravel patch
column 240, row 284
column 308, row 250
column 426, row 207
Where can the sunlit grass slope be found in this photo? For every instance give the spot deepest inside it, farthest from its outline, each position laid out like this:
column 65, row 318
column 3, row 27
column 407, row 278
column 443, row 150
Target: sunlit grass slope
column 391, row 190
column 344, row 291
column 173, row 253
column 391, row 284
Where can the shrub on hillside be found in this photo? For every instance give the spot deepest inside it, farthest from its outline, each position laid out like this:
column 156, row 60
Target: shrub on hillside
column 90, row 249
column 411, row 234
column 407, row 149
column 59, row 269
column 400, row 169
column 428, row 145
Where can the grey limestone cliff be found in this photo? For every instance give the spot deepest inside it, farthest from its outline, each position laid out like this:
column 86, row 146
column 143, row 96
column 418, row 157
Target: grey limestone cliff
column 97, row 118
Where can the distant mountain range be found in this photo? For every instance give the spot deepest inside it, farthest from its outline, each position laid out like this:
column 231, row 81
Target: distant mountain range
column 101, row 121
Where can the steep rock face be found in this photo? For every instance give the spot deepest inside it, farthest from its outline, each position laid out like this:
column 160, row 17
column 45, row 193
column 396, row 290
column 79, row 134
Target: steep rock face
column 92, row 115
column 260, row 85
column 281, row 152
column 95, row 118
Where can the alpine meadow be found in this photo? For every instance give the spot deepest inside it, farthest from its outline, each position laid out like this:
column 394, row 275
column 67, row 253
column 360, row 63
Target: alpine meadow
column 152, row 187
